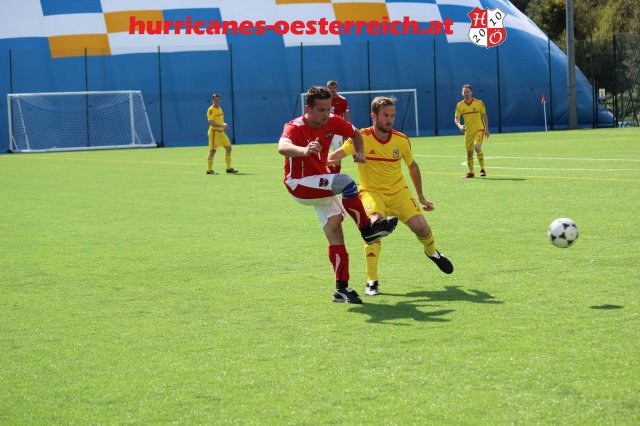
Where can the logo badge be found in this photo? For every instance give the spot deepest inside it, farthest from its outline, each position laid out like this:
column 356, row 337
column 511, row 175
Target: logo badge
column 396, row 153
column 487, row 29
column 328, row 135
column 323, row 182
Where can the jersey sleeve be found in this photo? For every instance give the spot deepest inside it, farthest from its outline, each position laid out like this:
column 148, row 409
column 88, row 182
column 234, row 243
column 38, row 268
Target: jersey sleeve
column 483, row 110
column 289, row 132
column 407, row 154
column 210, row 114
column 346, row 105
column 348, row 147
column 343, row 128
column 458, row 110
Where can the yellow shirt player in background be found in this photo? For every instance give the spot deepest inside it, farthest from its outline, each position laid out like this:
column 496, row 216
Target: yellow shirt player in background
column 217, row 135
column 475, row 127
column 383, row 189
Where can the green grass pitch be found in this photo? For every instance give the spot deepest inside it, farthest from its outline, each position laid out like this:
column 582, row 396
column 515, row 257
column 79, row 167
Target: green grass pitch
column 137, row 289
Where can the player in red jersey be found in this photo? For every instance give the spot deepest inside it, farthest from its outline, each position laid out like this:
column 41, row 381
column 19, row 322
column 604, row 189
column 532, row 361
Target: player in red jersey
column 339, row 107
column 305, row 144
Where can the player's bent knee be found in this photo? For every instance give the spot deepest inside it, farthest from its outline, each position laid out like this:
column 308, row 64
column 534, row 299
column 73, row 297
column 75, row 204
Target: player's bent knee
column 419, row 225
column 423, row 232
column 344, row 184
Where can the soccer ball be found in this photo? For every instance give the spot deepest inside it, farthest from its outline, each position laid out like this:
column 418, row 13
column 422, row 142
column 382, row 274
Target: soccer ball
column 563, row 232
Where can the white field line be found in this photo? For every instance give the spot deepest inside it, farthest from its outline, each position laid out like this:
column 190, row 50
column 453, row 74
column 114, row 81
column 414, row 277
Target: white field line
column 56, row 157
column 464, row 163
column 631, row 160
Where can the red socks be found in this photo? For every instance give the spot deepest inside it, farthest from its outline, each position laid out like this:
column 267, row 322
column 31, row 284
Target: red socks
column 354, row 207
column 340, row 260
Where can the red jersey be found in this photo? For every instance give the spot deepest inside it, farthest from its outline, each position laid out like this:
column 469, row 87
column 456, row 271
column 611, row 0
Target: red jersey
column 300, row 134
column 339, row 105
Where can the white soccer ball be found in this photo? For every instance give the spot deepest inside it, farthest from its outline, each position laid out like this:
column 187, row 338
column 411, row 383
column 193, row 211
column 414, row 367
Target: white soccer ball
column 563, row 232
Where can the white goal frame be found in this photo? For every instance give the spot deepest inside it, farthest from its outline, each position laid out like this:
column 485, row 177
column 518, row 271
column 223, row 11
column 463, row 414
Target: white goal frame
column 13, row 145
column 374, row 92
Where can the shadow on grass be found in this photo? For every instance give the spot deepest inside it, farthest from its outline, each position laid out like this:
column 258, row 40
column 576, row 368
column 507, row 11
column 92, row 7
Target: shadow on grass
column 604, row 307
column 451, row 294
column 386, row 314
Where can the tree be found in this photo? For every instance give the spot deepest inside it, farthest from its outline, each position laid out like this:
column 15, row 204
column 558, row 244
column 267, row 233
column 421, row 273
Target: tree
column 521, row 4
column 549, row 15
column 592, row 18
column 617, row 16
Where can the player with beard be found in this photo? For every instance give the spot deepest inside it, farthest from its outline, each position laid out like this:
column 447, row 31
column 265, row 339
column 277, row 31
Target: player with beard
column 305, row 144
column 475, row 127
column 383, row 189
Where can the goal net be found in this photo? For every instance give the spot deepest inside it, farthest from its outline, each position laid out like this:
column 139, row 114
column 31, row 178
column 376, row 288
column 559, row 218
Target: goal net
column 41, row 122
column 360, row 108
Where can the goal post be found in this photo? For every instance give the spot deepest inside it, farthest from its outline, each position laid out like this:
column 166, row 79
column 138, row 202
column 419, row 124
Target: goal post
column 66, row 121
column 360, row 103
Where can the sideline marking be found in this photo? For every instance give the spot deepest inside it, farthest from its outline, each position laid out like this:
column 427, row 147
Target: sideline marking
column 464, row 163
column 49, row 157
column 534, row 158
column 537, row 177
column 95, row 160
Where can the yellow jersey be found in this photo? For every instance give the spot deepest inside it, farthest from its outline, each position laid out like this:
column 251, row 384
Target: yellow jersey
column 215, row 114
column 382, row 172
column 472, row 114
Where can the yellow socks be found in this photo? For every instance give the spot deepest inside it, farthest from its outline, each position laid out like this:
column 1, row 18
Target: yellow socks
column 480, row 156
column 227, row 158
column 429, row 244
column 470, row 164
column 372, row 255
column 209, row 164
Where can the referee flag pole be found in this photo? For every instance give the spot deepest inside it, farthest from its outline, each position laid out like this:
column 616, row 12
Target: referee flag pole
column 544, row 108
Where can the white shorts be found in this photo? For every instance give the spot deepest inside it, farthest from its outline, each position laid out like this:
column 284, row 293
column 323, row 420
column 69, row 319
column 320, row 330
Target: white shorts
column 325, row 208
column 313, row 191
column 337, row 142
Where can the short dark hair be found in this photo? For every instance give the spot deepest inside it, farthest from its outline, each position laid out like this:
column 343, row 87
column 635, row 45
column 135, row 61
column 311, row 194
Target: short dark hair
column 317, row 92
column 332, row 83
column 379, row 102
column 464, row 86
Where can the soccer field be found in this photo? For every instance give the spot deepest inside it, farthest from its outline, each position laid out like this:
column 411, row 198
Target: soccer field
column 137, row 289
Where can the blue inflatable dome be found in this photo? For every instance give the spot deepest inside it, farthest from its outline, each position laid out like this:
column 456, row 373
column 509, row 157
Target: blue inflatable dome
column 55, row 46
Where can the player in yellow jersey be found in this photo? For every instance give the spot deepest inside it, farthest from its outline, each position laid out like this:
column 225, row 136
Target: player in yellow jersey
column 217, row 135
column 475, row 127
column 383, row 189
